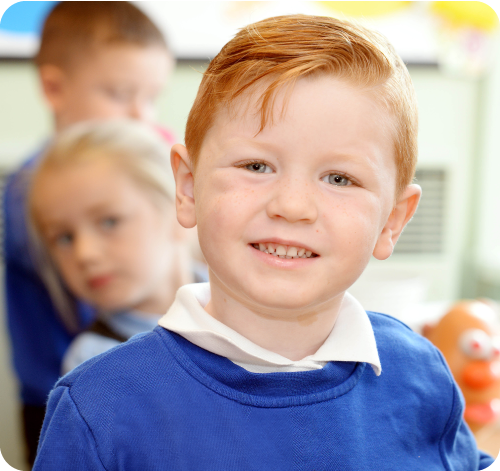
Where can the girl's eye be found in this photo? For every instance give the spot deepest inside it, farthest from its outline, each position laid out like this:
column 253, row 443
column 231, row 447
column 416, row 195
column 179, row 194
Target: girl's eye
column 258, row 167
column 109, row 223
column 337, row 180
column 64, row 239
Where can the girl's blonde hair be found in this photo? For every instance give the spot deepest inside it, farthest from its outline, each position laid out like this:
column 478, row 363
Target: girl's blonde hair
column 134, row 147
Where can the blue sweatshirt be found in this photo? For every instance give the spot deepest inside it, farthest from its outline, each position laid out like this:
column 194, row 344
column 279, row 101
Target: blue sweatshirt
column 158, row 402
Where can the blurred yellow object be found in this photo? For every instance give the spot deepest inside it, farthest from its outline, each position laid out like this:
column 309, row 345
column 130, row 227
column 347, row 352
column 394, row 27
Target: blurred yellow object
column 365, row 8
column 465, row 14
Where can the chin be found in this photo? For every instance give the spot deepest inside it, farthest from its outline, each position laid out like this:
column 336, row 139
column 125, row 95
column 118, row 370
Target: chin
column 110, row 305
column 286, row 300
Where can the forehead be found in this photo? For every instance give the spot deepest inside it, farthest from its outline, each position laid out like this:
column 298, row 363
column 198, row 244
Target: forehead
column 123, row 62
column 324, row 113
column 61, row 192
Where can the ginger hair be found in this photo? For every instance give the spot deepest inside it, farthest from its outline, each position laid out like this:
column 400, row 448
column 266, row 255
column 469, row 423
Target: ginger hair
column 280, row 50
column 74, row 29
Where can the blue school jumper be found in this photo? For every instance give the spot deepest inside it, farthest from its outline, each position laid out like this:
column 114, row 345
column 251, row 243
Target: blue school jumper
column 158, row 402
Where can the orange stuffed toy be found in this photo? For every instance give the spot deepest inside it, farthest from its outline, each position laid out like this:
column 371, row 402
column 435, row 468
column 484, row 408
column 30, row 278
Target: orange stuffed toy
column 469, row 338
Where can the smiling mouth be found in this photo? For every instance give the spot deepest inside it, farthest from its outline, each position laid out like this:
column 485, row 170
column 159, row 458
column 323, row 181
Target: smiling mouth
column 284, row 251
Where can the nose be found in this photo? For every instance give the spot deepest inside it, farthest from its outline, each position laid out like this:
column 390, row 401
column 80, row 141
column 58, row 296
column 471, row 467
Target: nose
column 481, row 374
column 87, row 249
column 140, row 110
column 293, row 200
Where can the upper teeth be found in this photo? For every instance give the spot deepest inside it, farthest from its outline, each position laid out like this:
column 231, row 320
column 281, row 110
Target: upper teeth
column 283, row 251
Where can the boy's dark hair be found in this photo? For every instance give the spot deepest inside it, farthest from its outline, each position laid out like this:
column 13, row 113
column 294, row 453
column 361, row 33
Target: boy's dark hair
column 76, row 28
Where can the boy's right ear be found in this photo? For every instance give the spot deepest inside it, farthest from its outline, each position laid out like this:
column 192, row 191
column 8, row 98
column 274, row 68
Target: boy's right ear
column 53, row 81
column 184, row 186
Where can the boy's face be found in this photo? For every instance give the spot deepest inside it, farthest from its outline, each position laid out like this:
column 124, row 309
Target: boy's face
column 321, row 179
column 121, row 81
column 110, row 242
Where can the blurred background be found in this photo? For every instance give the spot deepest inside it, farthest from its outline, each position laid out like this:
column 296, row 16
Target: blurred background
column 449, row 251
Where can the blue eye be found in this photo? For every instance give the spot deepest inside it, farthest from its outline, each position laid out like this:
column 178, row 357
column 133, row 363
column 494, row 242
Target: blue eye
column 258, row 167
column 64, row 239
column 109, row 223
column 337, row 180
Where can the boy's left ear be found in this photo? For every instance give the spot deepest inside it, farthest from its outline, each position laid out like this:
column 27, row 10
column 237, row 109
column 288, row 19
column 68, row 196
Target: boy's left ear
column 403, row 211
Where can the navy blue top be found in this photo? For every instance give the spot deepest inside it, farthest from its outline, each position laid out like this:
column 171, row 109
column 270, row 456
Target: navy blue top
column 38, row 336
column 159, row 402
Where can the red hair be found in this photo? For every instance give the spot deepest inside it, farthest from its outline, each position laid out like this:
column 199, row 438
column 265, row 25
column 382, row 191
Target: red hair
column 281, row 50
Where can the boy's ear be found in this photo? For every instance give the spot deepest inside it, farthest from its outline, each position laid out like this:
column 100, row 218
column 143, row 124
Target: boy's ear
column 184, row 186
column 53, row 80
column 403, row 211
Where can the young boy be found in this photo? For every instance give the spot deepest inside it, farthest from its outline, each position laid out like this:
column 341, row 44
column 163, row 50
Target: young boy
column 300, row 152
column 96, row 60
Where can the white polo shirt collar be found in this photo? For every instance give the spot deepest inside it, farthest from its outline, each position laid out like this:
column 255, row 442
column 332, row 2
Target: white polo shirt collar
column 351, row 339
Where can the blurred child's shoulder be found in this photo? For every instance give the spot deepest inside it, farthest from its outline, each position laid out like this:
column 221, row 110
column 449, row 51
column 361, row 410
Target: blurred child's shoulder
column 130, row 362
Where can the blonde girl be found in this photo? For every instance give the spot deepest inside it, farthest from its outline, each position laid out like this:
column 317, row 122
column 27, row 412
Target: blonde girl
column 103, row 229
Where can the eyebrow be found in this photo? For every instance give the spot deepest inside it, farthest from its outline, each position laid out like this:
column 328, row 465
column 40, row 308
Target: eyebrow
column 236, row 142
column 92, row 211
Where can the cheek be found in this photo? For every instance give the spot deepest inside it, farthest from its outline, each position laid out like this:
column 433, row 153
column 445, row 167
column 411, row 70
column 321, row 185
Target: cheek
column 71, row 276
column 147, row 250
column 356, row 225
column 135, row 249
column 105, row 108
column 149, row 112
column 223, row 210
column 96, row 105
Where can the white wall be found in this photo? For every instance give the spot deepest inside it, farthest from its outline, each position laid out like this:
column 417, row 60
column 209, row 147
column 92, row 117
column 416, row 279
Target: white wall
column 487, row 233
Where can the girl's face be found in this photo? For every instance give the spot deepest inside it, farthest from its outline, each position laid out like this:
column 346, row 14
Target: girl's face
column 112, row 245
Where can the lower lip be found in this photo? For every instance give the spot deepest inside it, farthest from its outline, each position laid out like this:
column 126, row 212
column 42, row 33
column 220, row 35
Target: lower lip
column 96, row 283
column 279, row 262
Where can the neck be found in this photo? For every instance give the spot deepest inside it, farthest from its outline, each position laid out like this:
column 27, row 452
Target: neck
column 293, row 334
